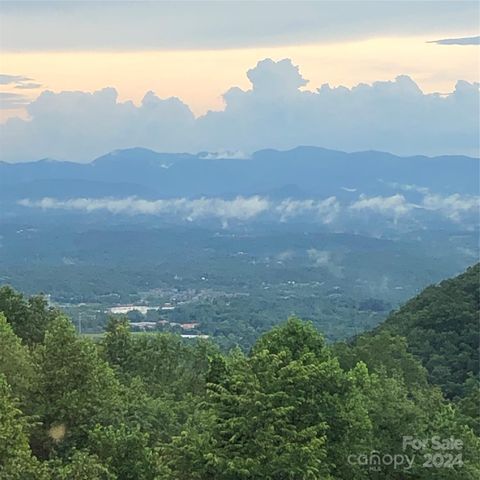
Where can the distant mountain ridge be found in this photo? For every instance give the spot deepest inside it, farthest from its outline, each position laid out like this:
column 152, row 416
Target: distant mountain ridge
column 309, row 171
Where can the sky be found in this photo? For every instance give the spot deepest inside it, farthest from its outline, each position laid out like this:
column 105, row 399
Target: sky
column 78, row 79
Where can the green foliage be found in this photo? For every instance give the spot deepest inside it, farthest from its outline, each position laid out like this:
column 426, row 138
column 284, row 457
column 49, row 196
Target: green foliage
column 29, row 318
column 16, row 460
column 118, row 341
column 79, row 466
column 469, row 405
column 153, row 407
column 77, row 388
column 125, row 450
column 383, row 352
column 16, row 364
column 163, row 361
column 441, row 326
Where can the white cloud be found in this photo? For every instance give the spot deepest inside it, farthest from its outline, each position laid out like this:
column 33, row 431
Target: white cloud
column 329, row 211
column 320, row 257
column 453, row 206
column 28, row 85
column 239, row 208
column 324, row 210
column 393, row 116
column 6, row 79
column 394, row 206
column 80, row 125
column 408, row 187
column 285, row 255
column 324, row 259
column 226, row 155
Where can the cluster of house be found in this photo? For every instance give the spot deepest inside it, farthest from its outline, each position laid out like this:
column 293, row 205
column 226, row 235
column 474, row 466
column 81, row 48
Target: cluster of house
column 184, row 326
column 124, row 309
column 152, row 325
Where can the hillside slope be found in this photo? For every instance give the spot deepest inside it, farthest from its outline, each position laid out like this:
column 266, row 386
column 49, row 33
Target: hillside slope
column 441, row 326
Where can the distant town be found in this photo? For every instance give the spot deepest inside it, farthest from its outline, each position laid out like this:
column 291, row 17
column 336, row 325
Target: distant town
column 155, row 325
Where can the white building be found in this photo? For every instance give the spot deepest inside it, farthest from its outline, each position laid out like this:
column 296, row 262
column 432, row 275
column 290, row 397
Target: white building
column 124, row 309
column 168, row 306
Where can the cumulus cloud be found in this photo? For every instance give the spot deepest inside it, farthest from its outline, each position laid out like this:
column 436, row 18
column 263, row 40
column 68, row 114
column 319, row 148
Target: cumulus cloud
column 392, row 115
column 82, row 125
column 275, row 79
column 275, row 112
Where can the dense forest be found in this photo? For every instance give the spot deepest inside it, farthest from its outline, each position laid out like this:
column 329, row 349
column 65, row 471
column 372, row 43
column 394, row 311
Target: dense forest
column 236, row 283
column 399, row 402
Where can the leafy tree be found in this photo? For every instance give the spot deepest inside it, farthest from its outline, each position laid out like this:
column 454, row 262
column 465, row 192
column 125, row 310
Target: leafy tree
column 118, row 341
column 383, row 352
column 125, row 450
column 77, row 389
column 16, row 364
column 298, row 363
column 16, row 460
column 152, row 407
column 166, row 365
column 80, row 465
column 29, row 318
column 286, row 411
column 469, row 405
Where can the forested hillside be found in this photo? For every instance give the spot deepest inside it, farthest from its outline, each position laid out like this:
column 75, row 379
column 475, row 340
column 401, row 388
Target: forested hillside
column 441, row 326
column 151, row 406
column 440, row 330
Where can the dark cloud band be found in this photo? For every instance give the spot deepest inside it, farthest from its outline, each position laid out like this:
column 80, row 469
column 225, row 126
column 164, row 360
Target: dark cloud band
column 127, row 25
column 458, row 41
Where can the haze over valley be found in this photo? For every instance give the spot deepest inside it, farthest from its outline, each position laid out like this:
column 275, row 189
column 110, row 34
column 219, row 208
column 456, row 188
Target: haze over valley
column 336, row 238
